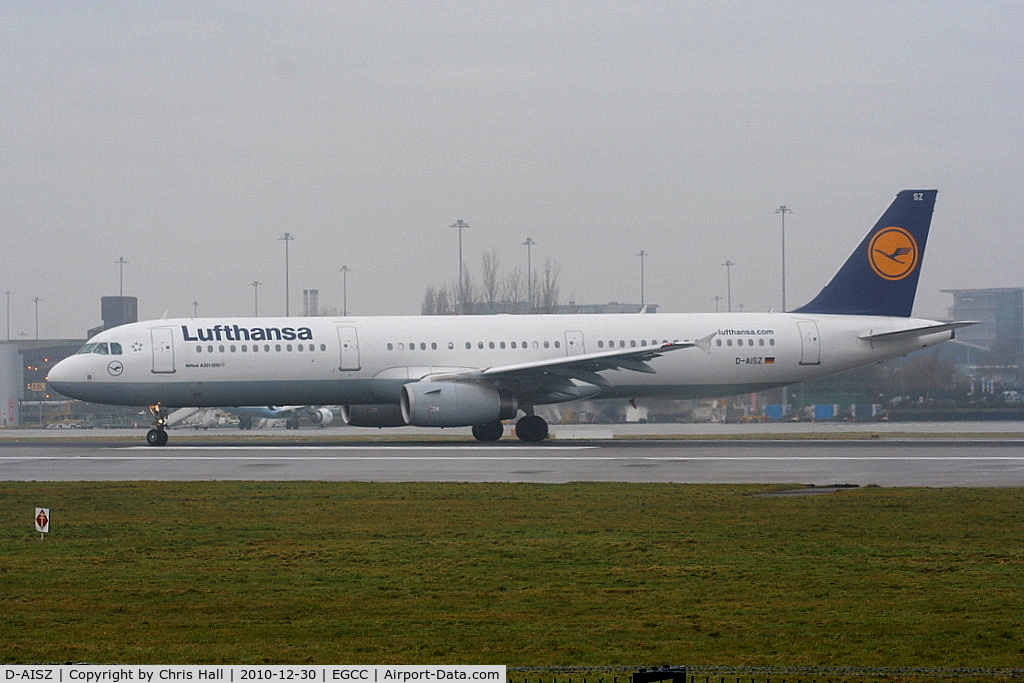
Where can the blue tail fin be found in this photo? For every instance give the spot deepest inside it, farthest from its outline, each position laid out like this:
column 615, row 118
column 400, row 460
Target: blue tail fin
column 880, row 277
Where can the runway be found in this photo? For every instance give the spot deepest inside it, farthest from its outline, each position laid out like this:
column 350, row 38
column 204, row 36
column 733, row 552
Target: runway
column 888, row 457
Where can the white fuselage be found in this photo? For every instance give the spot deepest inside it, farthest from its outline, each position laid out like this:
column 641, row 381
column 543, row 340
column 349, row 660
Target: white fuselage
column 366, row 360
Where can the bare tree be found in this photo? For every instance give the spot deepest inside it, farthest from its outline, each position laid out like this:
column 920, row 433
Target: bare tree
column 438, row 301
column 548, row 294
column 495, row 293
column 512, row 289
column 489, row 284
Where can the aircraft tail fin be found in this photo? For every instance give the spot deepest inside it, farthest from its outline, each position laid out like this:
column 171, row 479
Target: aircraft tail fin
column 880, row 276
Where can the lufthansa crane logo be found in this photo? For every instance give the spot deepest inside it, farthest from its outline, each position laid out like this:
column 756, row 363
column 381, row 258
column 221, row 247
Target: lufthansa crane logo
column 893, row 253
column 115, row 367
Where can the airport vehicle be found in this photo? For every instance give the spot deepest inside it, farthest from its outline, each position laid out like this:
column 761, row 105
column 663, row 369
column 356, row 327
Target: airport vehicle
column 448, row 371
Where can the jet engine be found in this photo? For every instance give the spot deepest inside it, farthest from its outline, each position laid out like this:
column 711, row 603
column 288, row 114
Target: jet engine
column 454, row 404
column 321, row 416
column 388, row 415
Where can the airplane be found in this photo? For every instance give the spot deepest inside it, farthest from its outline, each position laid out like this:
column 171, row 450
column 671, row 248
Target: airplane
column 318, row 415
column 456, row 371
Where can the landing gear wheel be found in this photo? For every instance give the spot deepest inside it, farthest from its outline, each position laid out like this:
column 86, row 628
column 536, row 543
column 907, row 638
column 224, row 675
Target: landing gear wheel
column 488, row 431
column 156, row 437
column 291, row 423
column 532, row 428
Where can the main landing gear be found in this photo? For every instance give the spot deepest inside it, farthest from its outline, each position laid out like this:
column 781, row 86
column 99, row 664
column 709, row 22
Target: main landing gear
column 157, row 436
column 529, row 428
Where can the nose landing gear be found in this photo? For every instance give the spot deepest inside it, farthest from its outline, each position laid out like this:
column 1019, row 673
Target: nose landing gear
column 157, row 436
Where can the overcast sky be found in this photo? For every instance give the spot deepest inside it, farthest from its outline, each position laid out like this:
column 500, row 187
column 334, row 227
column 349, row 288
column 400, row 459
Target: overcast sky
column 189, row 137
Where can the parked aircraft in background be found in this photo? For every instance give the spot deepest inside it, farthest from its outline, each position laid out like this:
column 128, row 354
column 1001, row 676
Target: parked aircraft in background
column 449, row 371
column 318, row 415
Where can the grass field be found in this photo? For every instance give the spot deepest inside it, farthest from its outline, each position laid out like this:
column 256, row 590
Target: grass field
column 517, row 574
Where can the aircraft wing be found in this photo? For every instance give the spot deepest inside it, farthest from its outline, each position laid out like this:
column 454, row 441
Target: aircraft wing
column 912, row 332
column 551, row 379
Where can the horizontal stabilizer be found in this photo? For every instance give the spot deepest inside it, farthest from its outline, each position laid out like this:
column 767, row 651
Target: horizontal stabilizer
column 894, row 335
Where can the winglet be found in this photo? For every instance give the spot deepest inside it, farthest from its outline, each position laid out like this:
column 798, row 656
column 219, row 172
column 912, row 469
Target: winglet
column 880, row 276
column 704, row 343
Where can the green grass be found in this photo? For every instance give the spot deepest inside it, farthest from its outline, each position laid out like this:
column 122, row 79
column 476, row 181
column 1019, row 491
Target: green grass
column 517, row 574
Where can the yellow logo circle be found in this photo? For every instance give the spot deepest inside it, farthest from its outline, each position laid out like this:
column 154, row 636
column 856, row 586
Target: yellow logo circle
column 893, row 253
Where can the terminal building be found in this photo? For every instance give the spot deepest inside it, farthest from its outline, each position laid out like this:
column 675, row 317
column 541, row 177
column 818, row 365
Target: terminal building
column 24, row 364
column 993, row 350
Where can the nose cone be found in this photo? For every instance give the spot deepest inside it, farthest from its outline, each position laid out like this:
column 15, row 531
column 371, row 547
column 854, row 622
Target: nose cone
column 63, row 377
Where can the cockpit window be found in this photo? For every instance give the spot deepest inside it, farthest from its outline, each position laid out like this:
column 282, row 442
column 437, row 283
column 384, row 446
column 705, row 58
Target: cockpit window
column 102, row 348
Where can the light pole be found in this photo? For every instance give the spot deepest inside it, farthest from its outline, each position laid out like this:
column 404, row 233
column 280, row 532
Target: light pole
column 287, row 237
column 728, row 282
column 716, row 298
column 783, row 209
column 345, row 270
column 120, row 261
column 195, row 309
column 8, row 295
column 37, row 300
column 643, row 297
column 529, row 270
column 460, row 225
column 256, row 297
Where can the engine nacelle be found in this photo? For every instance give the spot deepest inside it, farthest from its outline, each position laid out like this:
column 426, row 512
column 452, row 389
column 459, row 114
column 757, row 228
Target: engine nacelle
column 387, row 415
column 321, row 416
column 454, row 404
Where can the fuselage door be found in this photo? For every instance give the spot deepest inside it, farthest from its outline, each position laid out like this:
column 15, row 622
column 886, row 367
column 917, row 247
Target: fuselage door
column 348, row 343
column 573, row 343
column 810, row 343
column 163, row 349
